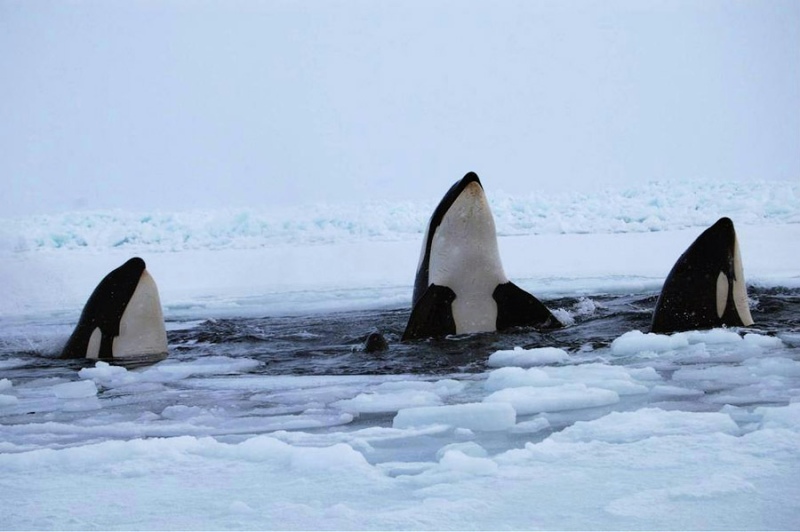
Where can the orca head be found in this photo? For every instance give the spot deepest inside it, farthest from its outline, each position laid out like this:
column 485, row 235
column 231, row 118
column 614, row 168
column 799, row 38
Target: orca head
column 460, row 255
column 460, row 287
column 461, row 232
column 122, row 319
column 706, row 287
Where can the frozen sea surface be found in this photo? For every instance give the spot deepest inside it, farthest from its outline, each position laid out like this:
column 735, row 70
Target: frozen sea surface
column 284, row 422
column 269, row 415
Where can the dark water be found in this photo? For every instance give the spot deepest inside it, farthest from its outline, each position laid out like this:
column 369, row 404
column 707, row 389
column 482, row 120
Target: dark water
column 332, row 343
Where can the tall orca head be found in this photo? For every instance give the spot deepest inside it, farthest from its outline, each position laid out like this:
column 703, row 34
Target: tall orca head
column 460, row 286
column 706, row 287
column 460, row 237
column 122, row 321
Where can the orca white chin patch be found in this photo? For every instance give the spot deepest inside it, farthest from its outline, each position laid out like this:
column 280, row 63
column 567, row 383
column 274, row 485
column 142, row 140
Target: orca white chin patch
column 141, row 328
column 722, row 294
column 93, row 347
column 739, row 288
column 465, row 257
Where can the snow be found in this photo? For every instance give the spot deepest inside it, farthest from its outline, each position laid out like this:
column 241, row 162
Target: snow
column 527, row 357
column 690, row 430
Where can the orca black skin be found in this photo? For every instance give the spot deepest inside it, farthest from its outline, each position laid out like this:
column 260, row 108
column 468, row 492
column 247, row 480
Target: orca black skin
column 104, row 311
column 706, row 287
column 467, row 291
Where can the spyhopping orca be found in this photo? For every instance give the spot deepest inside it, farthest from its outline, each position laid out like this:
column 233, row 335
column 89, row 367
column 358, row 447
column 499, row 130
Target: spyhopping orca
column 706, row 287
column 122, row 320
column 460, row 285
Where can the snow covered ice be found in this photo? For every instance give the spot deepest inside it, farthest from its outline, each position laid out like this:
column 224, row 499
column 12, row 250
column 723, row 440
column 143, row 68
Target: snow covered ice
column 267, row 415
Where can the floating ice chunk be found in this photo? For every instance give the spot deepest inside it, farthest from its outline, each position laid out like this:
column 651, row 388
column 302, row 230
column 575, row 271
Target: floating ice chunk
column 656, row 503
column 615, row 378
column 644, row 374
column 537, row 424
column 620, row 386
column 456, row 460
column 728, row 374
column 182, row 412
column 790, row 339
column 5, row 384
column 634, row 342
column 525, row 358
column 442, row 388
column 84, row 404
column 469, row 448
column 531, row 400
column 627, row 427
column 239, row 507
column 781, row 417
column 75, row 390
column 463, row 433
column 375, row 403
column 513, row 377
column 671, row 392
column 763, row 341
column 783, row 367
column 102, row 371
column 564, row 316
column 8, row 400
column 11, row 363
column 336, row 457
column 214, row 365
column 474, row 416
column 714, row 336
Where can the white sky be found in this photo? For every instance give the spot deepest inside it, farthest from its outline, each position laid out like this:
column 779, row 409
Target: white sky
column 170, row 105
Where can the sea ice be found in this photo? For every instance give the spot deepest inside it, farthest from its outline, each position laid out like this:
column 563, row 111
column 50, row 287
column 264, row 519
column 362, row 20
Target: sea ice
column 626, row 427
column 633, row 342
column 474, row 416
column 526, row 358
column 374, row 403
column 533, row 400
column 75, row 390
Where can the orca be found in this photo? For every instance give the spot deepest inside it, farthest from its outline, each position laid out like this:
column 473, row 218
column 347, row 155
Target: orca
column 460, row 286
column 122, row 322
column 706, row 288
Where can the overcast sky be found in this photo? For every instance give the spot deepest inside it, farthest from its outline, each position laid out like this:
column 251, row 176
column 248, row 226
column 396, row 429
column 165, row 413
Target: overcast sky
column 169, row 105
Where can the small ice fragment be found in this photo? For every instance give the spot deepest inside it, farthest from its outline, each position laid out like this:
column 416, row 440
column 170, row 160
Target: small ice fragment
column 75, row 390
column 526, row 358
column 532, row 400
column 475, row 416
